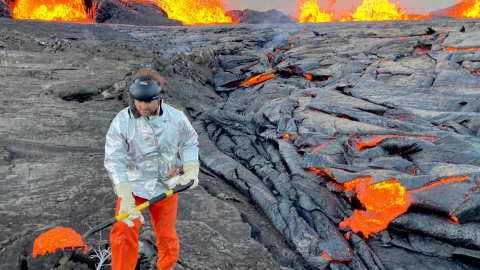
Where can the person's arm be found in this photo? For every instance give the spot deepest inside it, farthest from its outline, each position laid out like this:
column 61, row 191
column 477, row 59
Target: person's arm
column 188, row 143
column 116, row 148
column 188, row 150
column 116, row 151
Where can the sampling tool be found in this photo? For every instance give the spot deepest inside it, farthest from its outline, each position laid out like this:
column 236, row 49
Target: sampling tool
column 142, row 206
column 67, row 238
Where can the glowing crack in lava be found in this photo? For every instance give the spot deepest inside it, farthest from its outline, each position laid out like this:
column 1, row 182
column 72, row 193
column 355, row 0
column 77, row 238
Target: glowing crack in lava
column 369, row 141
column 383, row 203
column 443, row 181
column 191, row 12
column 309, row 12
column 50, row 10
column 57, row 238
column 257, row 79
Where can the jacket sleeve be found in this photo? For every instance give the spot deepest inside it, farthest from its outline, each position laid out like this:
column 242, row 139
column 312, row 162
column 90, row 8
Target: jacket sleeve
column 188, row 142
column 116, row 148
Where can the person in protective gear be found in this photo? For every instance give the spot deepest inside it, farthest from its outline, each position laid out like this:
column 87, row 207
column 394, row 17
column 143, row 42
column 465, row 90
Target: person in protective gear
column 145, row 145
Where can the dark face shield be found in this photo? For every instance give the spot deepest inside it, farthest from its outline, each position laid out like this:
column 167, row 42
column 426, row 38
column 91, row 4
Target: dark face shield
column 145, row 89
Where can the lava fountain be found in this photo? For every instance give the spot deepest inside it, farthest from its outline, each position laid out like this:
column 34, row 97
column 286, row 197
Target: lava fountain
column 378, row 10
column 191, row 12
column 309, row 11
column 50, row 10
column 369, row 10
column 465, row 9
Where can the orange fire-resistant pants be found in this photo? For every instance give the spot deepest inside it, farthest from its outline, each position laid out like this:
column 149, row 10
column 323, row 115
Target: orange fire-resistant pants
column 124, row 239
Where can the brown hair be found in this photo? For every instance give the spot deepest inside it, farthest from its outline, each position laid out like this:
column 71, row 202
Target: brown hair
column 150, row 73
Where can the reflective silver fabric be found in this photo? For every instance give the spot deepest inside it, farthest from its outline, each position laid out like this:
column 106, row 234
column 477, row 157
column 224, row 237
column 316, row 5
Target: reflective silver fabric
column 143, row 151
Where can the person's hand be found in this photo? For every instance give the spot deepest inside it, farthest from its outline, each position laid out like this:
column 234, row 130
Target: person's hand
column 191, row 170
column 127, row 204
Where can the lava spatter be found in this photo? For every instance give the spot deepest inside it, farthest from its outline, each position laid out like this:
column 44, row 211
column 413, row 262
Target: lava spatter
column 57, row 238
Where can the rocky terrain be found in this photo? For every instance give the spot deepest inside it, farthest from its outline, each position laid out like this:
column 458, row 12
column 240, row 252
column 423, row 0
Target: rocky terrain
column 288, row 158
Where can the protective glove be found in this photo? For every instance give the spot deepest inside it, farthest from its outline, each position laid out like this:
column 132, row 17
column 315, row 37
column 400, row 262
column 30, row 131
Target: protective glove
column 127, row 204
column 191, row 170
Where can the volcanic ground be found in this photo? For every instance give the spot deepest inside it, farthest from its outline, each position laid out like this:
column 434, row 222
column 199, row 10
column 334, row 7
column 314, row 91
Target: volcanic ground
column 323, row 146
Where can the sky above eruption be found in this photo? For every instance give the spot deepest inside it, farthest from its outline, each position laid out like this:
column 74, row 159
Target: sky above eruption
column 288, row 6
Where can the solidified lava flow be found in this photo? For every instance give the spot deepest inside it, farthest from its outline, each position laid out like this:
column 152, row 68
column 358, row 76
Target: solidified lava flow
column 57, row 238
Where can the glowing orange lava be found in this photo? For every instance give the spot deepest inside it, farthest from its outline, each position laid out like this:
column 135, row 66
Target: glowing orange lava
column 191, row 12
column 383, row 202
column 50, row 10
column 401, row 118
column 465, row 9
column 257, row 79
column 451, row 49
column 368, row 141
column 325, row 255
column 57, row 238
column 443, row 181
column 378, row 10
column 309, row 77
column 472, row 10
column 309, row 12
column 369, row 10
column 318, row 147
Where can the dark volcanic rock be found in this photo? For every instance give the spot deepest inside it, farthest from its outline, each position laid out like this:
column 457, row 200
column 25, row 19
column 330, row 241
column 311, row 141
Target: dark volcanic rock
column 61, row 142
column 255, row 17
column 5, row 10
column 131, row 13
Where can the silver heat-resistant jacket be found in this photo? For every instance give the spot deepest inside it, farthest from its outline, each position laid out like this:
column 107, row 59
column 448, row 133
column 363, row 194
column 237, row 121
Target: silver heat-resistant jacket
column 142, row 151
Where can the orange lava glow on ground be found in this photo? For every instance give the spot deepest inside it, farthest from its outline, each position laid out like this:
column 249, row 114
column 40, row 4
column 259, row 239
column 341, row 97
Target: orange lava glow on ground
column 192, row 12
column 50, row 10
column 383, row 202
column 308, row 11
column 257, row 79
column 57, row 238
